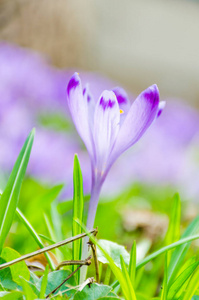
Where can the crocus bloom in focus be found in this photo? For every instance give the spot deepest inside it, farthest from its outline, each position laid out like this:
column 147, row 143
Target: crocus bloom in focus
column 109, row 126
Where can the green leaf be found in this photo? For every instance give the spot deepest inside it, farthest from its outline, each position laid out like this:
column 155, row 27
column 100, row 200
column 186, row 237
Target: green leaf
column 94, row 292
column 10, row 196
column 164, row 288
column 195, row 297
column 65, row 206
column 127, row 278
column 30, row 295
column 181, row 242
column 6, row 278
column 78, row 207
column 109, row 298
column 56, row 278
column 192, row 287
column 114, row 251
column 11, row 295
column 35, row 236
column 44, row 283
column 180, row 252
column 173, row 233
column 175, row 289
column 19, row 269
column 132, row 263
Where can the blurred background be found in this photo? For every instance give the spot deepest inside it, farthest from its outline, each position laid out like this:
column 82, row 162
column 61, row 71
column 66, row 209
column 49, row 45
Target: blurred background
column 133, row 42
column 128, row 43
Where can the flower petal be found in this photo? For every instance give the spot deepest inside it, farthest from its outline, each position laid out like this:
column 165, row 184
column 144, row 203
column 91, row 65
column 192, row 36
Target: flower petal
column 106, row 128
column 160, row 108
column 140, row 116
column 91, row 105
column 78, row 106
column 123, row 101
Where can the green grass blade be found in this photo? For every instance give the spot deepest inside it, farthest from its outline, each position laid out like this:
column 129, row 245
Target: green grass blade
column 166, row 248
column 132, row 263
column 127, row 278
column 177, row 286
column 115, row 269
column 78, row 207
column 173, row 233
column 164, row 288
column 35, row 236
column 180, row 252
column 9, row 198
column 192, row 286
column 44, row 283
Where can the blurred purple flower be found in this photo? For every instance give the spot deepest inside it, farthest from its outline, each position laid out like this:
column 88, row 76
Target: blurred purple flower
column 104, row 133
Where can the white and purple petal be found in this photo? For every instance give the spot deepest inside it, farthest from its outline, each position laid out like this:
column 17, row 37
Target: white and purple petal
column 78, row 107
column 106, row 128
column 161, row 108
column 140, row 116
column 123, row 101
column 91, row 105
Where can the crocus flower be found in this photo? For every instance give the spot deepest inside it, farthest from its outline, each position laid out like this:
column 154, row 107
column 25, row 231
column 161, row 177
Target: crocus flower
column 108, row 127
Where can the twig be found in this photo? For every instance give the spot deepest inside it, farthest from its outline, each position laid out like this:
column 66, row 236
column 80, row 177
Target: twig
column 85, row 262
column 43, row 250
column 88, row 281
column 66, row 279
column 94, row 251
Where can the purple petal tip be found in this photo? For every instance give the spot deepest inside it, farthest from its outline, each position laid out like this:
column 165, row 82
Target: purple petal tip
column 107, row 100
column 73, row 83
column 121, row 95
column 152, row 95
column 160, row 108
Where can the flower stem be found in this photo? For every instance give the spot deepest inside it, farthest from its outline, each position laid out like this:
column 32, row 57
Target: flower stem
column 95, row 192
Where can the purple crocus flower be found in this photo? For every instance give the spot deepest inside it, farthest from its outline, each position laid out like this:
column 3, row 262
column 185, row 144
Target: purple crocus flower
column 108, row 127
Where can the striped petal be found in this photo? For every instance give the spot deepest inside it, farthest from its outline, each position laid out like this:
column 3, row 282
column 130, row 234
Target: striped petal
column 106, row 128
column 140, row 116
column 91, row 105
column 78, row 107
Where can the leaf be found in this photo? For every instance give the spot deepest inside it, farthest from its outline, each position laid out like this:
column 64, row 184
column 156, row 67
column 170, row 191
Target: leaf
column 182, row 241
column 10, row 196
column 126, row 276
column 164, row 288
column 44, row 283
column 109, row 298
column 6, row 278
column 11, row 295
column 17, row 269
column 132, row 263
column 78, row 207
column 192, row 287
column 67, row 205
column 176, row 287
column 114, row 251
column 173, row 233
column 34, row 235
column 56, row 278
column 180, row 252
column 30, row 295
column 94, row 292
